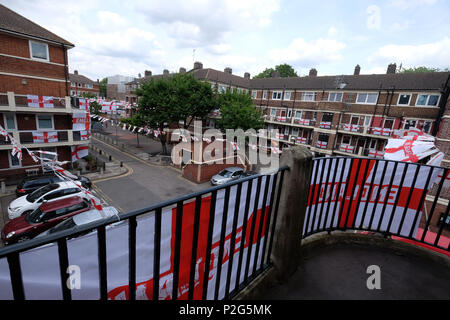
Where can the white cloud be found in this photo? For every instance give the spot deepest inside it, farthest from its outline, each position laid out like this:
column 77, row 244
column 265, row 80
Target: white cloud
column 302, row 53
column 332, row 32
column 408, row 4
column 435, row 54
column 373, row 21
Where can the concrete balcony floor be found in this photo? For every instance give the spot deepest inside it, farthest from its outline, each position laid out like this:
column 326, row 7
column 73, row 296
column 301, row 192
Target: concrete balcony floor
column 339, row 271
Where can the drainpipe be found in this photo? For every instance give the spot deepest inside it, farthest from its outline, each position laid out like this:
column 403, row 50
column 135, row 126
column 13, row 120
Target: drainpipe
column 65, row 68
column 445, row 94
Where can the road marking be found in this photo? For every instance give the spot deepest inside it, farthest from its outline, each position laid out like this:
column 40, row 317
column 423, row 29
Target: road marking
column 104, row 195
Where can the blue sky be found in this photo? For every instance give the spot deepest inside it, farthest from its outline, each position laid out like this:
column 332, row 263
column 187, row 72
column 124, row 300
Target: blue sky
column 113, row 37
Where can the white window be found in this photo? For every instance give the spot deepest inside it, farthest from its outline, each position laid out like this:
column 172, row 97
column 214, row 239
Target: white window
column 276, row 95
column 289, row 114
column 427, row 100
column 273, row 112
column 44, row 121
column 367, row 121
column 89, row 86
column 254, row 93
column 367, row 98
column 222, row 88
column 404, row 99
column 287, row 95
column 38, row 50
column 286, row 130
column 298, row 114
column 335, row 97
column 10, row 121
column 309, row 96
column 14, row 162
column 265, row 94
column 73, row 84
column 80, row 85
column 410, row 124
column 295, row 131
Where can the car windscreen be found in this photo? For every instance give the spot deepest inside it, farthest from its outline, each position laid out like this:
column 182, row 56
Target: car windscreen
column 32, row 197
column 35, row 216
column 68, row 224
column 225, row 173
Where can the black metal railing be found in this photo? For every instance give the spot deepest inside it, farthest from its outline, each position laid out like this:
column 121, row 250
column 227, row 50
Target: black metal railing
column 249, row 268
column 381, row 196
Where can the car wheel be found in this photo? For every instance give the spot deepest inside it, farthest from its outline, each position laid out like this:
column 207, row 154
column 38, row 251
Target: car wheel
column 23, row 238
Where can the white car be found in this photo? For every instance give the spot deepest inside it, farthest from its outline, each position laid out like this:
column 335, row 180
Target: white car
column 53, row 191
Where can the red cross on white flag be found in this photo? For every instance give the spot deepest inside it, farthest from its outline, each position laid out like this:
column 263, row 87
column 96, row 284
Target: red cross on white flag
column 35, row 101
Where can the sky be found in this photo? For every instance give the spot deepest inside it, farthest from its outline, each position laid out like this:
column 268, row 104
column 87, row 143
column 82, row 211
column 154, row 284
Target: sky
column 128, row 37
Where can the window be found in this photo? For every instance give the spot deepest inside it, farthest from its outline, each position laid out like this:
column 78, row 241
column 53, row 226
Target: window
column 327, row 117
column 44, row 122
column 254, row 93
column 298, row 114
column 427, row 100
column 346, row 139
column 222, row 89
column 10, row 121
column 295, row 131
column 309, row 96
column 265, row 94
column 276, row 95
column 354, row 120
column 273, row 112
column 410, row 124
column 72, row 84
column 335, row 97
column 80, row 85
column 13, row 161
column 367, row 121
column 388, row 123
column 286, row 130
column 38, row 50
column 287, row 95
column 289, row 114
column 403, row 99
column 368, row 98
column 89, row 86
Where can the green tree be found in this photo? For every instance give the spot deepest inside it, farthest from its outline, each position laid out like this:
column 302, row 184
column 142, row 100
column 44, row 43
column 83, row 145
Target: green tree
column 285, row 70
column 102, row 87
column 179, row 98
column 95, row 107
column 422, row 69
column 237, row 111
column 136, row 120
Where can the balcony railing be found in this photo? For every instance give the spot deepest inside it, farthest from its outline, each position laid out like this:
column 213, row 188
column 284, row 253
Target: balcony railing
column 27, row 137
column 374, row 195
column 248, row 202
column 14, row 100
column 347, row 148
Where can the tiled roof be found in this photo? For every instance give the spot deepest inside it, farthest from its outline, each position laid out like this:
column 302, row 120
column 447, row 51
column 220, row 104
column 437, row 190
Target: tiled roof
column 14, row 22
column 80, row 79
column 399, row 81
column 220, row 76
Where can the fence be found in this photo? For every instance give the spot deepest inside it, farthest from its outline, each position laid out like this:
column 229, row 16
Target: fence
column 223, row 271
column 372, row 195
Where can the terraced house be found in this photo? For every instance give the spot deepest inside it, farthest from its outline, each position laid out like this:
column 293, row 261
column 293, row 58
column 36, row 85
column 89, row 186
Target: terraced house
column 34, row 94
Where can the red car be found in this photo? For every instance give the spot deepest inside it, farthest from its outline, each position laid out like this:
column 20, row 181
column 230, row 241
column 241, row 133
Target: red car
column 48, row 215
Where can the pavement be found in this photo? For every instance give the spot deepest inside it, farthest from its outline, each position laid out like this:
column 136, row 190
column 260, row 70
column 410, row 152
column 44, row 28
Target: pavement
column 340, row 272
column 145, row 184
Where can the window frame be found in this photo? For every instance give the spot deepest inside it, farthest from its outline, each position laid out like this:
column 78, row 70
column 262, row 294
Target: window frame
column 335, row 94
column 306, row 93
column 290, row 95
column 404, row 104
column 47, row 59
column 367, row 95
column 45, row 115
column 428, row 99
column 278, row 94
column 6, row 123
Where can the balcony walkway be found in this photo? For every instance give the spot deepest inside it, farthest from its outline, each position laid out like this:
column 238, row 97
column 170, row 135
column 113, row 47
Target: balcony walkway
column 338, row 271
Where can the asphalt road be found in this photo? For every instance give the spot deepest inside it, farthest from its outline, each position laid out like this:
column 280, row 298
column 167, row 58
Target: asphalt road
column 144, row 185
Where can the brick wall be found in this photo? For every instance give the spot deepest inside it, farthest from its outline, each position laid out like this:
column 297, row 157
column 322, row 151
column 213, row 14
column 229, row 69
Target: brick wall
column 32, row 86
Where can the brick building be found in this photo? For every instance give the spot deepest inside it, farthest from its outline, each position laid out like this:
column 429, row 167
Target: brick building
column 80, row 85
column 33, row 61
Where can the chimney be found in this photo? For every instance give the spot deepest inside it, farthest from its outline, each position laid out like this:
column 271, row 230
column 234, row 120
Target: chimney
column 147, row 73
column 228, row 70
column 247, row 75
column 391, row 68
column 75, row 72
column 357, row 70
column 165, row 72
column 313, row 72
column 198, row 65
column 182, row 70
column 275, row 74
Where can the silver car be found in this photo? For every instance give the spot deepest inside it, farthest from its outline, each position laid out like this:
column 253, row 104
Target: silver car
column 227, row 175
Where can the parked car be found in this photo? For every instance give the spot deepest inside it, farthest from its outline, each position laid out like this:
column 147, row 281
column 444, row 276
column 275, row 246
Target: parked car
column 227, row 175
column 30, row 184
column 50, row 192
column 83, row 219
column 48, row 215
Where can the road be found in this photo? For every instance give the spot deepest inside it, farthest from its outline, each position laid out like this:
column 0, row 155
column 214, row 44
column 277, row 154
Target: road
column 144, row 185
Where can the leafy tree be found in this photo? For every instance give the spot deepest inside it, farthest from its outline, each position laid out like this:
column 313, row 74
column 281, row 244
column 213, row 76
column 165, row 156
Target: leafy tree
column 285, row 70
column 179, row 98
column 136, row 120
column 238, row 112
column 95, row 107
column 422, row 69
column 102, row 87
